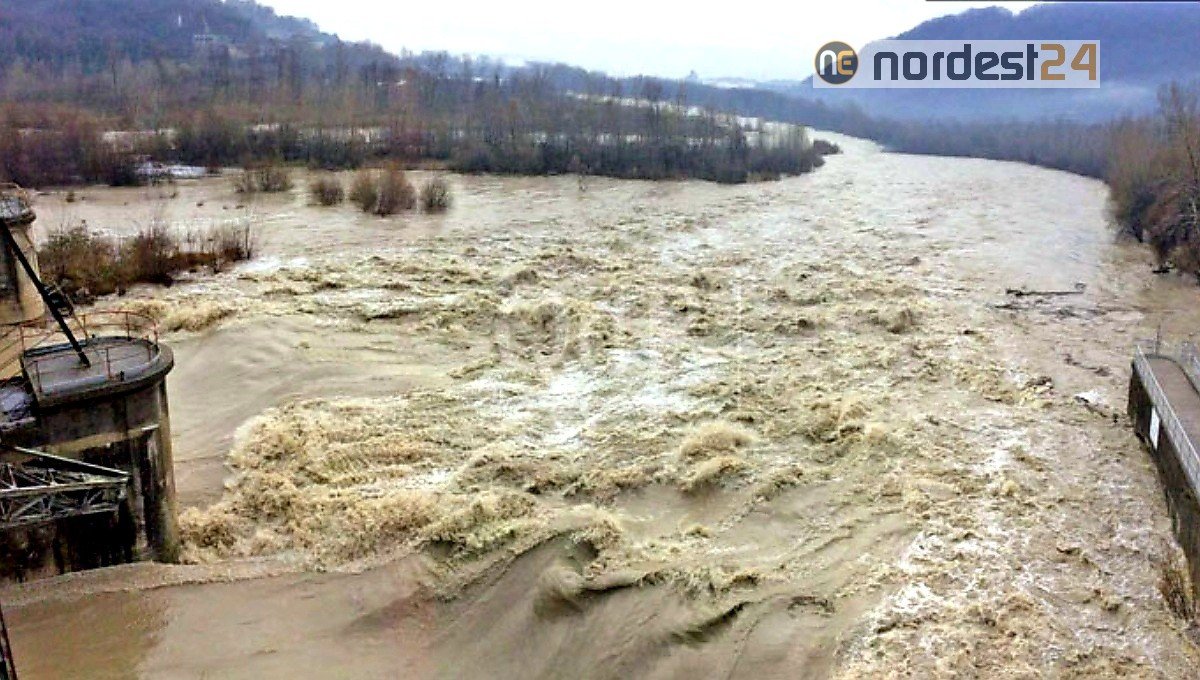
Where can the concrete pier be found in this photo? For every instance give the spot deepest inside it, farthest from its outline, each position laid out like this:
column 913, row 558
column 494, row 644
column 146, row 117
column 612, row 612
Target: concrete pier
column 86, row 472
column 121, row 424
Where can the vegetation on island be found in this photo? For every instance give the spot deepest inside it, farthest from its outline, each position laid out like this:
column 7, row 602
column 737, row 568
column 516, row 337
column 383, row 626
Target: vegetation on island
column 85, row 265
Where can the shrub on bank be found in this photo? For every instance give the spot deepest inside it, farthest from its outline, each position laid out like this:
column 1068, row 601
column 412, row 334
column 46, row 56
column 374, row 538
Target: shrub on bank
column 1154, row 179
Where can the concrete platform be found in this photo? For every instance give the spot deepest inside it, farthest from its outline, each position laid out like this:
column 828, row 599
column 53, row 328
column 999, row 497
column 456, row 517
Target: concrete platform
column 1180, row 393
column 117, row 364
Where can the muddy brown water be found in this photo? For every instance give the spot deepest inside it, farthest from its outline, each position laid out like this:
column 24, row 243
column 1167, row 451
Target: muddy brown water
column 631, row 429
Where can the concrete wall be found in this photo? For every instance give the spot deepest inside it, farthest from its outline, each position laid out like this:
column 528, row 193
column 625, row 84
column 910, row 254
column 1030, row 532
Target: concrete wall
column 19, row 299
column 1181, row 500
column 68, row 545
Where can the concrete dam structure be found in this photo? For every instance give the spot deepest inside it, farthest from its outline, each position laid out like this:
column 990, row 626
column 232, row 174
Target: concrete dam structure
column 85, row 438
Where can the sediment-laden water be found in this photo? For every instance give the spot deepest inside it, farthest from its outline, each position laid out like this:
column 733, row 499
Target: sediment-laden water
column 631, row 429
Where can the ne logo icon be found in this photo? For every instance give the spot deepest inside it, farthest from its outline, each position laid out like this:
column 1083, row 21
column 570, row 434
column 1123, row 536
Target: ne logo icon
column 836, row 63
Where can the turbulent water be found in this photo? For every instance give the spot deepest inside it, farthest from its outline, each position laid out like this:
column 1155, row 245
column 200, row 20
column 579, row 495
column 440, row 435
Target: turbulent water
column 629, row 429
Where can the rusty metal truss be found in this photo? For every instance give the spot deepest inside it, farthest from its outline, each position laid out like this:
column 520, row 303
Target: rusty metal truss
column 40, row 487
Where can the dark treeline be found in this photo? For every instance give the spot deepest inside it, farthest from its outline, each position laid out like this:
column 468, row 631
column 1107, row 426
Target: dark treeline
column 209, row 87
column 512, row 134
column 1081, row 148
column 40, row 146
column 1061, row 145
column 650, row 141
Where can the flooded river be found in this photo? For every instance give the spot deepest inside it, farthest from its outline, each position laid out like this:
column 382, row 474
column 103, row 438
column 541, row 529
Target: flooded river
column 629, row 429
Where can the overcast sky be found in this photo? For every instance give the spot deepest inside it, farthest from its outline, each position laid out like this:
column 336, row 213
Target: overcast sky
column 626, row 37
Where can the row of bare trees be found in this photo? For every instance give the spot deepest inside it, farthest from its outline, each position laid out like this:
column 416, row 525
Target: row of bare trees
column 1154, row 177
column 394, row 111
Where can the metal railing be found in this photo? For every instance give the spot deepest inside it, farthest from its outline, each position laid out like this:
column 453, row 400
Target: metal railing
column 25, row 338
column 110, row 363
column 1189, row 459
column 119, row 323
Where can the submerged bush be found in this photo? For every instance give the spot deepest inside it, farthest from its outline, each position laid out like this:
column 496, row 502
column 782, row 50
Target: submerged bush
column 244, row 183
column 274, row 179
column 228, row 244
column 268, row 179
column 80, row 263
column 825, row 148
column 363, row 192
column 395, row 193
column 150, row 256
column 1175, row 586
column 326, row 191
column 435, row 195
column 383, row 193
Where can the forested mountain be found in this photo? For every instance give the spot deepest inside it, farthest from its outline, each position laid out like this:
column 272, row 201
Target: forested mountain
column 279, row 27
column 101, row 53
column 92, row 34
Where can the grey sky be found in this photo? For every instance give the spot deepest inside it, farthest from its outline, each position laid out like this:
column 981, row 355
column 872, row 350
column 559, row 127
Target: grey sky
column 730, row 39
